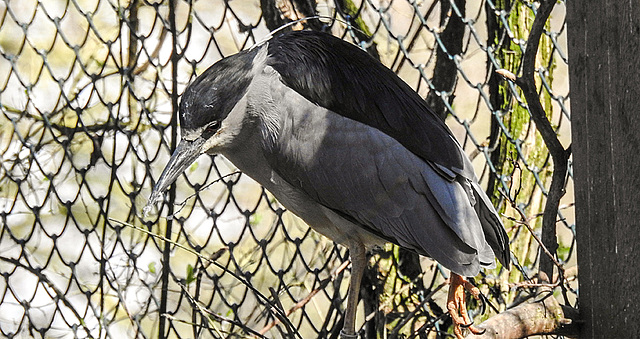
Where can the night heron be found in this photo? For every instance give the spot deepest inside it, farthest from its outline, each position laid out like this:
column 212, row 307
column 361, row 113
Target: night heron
column 346, row 145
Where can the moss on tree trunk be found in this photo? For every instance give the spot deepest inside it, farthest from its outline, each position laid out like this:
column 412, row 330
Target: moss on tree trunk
column 519, row 155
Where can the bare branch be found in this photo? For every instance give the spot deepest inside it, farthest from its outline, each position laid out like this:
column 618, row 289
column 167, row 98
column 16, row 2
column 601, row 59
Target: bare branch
column 544, row 315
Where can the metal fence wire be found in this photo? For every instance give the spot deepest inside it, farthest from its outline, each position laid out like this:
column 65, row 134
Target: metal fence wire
column 89, row 91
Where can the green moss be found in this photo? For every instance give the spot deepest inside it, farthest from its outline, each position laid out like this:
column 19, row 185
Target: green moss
column 525, row 146
column 516, row 118
column 352, row 9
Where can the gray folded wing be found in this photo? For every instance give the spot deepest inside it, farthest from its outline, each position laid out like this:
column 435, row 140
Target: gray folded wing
column 373, row 180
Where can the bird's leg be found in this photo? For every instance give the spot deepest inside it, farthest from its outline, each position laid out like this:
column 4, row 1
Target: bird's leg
column 457, row 305
column 358, row 256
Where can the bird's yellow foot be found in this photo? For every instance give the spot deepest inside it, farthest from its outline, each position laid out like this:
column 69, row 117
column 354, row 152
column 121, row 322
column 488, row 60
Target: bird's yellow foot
column 457, row 305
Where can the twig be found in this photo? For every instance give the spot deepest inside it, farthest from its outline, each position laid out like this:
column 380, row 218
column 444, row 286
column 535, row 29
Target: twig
column 182, row 204
column 38, row 272
column 211, row 315
column 526, row 284
column 154, row 54
column 524, row 221
column 569, row 274
column 308, row 298
column 275, row 303
column 277, row 313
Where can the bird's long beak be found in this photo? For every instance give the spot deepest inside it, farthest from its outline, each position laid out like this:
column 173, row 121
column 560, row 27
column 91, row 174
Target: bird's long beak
column 185, row 154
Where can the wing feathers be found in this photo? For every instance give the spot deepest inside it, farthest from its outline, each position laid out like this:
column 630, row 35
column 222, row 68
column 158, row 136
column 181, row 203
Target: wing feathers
column 492, row 227
column 343, row 78
column 373, row 180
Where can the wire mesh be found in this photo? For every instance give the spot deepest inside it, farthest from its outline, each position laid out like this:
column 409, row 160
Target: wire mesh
column 89, row 91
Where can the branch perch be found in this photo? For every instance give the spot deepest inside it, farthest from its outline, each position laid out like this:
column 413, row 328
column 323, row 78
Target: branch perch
column 544, row 315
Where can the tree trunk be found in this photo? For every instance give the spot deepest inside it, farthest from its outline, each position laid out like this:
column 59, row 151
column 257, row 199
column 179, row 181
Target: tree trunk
column 515, row 137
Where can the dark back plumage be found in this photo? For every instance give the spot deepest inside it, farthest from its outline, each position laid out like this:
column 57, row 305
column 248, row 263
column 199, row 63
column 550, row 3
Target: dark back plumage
column 345, row 79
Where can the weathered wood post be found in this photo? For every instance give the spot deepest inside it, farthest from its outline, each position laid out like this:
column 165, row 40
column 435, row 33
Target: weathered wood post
column 604, row 63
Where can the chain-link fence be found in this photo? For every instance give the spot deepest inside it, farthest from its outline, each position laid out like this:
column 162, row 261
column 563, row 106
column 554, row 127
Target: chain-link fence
column 89, row 91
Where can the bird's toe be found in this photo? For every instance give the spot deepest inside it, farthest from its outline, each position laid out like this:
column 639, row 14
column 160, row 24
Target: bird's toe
column 457, row 306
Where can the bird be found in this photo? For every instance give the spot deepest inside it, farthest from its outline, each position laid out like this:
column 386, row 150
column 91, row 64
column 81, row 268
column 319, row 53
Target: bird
column 345, row 144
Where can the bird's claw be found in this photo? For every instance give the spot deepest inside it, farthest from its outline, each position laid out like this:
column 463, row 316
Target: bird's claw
column 457, row 306
column 473, row 329
column 467, row 325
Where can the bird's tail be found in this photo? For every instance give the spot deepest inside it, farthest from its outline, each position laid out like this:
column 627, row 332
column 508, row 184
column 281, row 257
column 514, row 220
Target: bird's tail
column 493, row 229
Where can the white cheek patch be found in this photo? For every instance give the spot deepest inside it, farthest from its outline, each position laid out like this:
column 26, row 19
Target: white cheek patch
column 192, row 135
column 212, row 144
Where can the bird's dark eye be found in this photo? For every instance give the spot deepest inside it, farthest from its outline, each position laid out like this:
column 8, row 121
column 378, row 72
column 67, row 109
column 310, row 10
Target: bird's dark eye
column 211, row 129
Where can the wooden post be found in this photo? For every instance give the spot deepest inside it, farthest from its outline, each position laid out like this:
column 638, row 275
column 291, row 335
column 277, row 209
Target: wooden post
column 604, row 61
